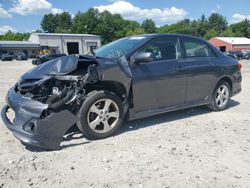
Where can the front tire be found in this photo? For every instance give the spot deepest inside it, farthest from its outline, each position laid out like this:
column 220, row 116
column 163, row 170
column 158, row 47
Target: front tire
column 100, row 115
column 221, row 97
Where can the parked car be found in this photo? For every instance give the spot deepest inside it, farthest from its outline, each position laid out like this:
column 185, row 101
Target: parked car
column 6, row 57
column 131, row 78
column 21, row 56
column 238, row 54
column 233, row 55
column 46, row 58
column 246, row 55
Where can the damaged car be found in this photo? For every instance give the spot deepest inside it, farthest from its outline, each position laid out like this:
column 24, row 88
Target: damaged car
column 127, row 79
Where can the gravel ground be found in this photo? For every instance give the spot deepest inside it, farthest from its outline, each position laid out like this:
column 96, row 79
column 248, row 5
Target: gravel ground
column 188, row 148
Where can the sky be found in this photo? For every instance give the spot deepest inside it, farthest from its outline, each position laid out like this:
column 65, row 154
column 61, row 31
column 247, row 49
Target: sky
column 26, row 15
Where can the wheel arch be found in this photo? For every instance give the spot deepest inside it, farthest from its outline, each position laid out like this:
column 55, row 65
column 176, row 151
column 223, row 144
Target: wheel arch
column 112, row 86
column 225, row 78
column 82, row 116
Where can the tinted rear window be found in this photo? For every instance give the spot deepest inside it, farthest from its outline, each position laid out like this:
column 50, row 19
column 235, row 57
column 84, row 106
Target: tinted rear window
column 196, row 48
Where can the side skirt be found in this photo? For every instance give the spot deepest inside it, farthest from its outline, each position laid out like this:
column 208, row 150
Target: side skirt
column 132, row 115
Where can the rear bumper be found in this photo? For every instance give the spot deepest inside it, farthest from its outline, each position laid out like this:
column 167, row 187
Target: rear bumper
column 236, row 89
column 236, row 86
column 28, row 125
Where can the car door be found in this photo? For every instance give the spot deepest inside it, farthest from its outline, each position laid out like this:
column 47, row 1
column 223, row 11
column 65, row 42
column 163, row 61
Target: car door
column 200, row 65
column 159, row 83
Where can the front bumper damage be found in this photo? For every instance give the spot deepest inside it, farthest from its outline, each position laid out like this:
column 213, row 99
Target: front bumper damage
column 29, row 126
column 47, row 98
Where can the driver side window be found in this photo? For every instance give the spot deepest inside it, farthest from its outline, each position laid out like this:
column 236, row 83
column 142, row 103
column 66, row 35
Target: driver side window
column 163, row 49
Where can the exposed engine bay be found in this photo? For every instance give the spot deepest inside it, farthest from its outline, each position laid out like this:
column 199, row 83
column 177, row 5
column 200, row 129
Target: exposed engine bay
column 60, row 91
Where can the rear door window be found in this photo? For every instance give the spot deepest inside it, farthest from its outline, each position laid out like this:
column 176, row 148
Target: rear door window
column 196, row 48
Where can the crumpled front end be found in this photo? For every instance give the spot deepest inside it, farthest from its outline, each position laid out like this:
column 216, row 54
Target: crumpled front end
column 45, row 105
column 29, row 125
column 47, row 98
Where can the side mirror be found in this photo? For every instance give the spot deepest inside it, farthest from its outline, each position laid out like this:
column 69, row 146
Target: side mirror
column 144, row 57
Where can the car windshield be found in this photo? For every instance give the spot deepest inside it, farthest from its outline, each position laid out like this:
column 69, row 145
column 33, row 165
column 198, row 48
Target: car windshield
column 119, row 47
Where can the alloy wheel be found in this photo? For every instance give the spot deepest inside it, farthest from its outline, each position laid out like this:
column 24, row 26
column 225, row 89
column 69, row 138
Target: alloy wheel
column 222, row 96
column 103, row 116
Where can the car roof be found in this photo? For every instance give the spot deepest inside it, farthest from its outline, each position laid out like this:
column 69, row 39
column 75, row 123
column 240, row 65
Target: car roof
column 156, row 35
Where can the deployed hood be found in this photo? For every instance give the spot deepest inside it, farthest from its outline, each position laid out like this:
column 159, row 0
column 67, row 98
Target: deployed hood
column 64, row 65
column 103, row 69
column 60, row 66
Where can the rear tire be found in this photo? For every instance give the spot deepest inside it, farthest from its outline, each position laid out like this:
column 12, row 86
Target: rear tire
column 221, row 97
column 100, row 115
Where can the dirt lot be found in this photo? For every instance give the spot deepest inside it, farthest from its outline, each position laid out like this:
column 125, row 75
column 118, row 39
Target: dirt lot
column 188, row 148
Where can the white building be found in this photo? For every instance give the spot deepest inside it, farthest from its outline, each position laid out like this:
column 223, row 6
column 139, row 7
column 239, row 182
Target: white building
column 55, row 42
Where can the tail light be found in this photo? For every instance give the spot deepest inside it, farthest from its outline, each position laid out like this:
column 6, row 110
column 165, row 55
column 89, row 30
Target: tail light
column 239, row 66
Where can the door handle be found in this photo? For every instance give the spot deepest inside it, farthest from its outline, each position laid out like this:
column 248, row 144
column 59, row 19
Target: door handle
column 179, row 68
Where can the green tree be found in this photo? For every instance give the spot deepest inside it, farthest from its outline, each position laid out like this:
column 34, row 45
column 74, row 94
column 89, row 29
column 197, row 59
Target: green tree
column 136, row 31
column 182, row 27
column 114, row 26
column 59, row 23
column 228, row 33
column 12, row 36
column 63, row 23
column 217, row 23
column 149, row 26
column 202, row 26
column 211, row 33
column 48, row 23
column 86, row 22
column 241, row 29
column 127, row 26
column 110, row 26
